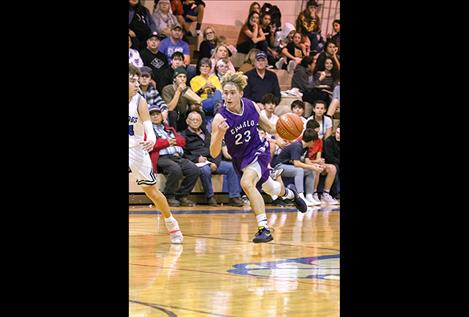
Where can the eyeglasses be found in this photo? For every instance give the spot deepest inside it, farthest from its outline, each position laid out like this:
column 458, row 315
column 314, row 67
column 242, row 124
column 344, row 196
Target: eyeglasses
column 193, row 120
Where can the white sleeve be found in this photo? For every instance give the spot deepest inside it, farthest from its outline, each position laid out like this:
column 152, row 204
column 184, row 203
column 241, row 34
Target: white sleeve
column 149, row 131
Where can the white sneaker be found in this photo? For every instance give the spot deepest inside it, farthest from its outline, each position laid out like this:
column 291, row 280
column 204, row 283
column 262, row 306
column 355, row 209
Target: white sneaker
column 310, row 198
column 175, row 233
column 308, row 203
column 326, row 198
column 291, row 66
column 280, row 62
column 316, row 197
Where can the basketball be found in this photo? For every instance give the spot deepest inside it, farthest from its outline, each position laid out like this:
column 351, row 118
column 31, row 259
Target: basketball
column 289, row 126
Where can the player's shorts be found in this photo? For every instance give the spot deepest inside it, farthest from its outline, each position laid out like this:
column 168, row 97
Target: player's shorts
column 140, row 164
column 259, row 164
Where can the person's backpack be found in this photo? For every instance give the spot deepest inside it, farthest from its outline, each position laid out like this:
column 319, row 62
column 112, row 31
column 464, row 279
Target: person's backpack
column 274, row 12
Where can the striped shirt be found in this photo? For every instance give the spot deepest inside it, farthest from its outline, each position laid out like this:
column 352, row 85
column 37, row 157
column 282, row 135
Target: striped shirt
column 153, row 98
column 167, row 134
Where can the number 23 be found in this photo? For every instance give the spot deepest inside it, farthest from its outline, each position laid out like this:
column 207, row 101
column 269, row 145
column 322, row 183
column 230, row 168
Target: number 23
column 247, row 137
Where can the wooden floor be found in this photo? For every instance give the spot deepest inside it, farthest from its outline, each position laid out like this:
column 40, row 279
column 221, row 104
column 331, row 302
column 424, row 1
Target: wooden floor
column 218, row 271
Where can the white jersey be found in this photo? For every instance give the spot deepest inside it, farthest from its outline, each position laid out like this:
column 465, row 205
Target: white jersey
column 135, row 123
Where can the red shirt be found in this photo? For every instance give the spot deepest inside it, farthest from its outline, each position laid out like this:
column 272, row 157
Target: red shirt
column 314, row 149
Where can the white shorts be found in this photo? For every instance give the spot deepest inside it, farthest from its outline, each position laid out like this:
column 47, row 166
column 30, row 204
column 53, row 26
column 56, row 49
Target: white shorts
column 141, row 167
column 256, row 168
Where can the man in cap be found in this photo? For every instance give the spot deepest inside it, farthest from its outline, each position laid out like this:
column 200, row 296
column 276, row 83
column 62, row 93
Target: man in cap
column 167, row 156
column 180, row 99
column 153, row 58
column 261, row 81
column 175, row 43
column 150, row 93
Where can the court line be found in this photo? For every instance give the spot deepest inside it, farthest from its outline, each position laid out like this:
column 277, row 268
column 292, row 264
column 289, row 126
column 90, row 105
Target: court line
column 176, row 307
column 219, row 211
column 302, row 281
column 167, row 312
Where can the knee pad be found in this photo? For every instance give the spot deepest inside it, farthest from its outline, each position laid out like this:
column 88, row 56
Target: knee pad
column 272, row 187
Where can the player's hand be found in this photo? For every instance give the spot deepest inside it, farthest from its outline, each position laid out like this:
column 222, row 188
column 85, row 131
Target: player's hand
column 172, row 142
column 223, row 126
column 147, row 145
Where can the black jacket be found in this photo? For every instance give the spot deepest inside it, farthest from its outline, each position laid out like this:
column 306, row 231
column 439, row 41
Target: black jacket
column 196, row 147
column 331, row 150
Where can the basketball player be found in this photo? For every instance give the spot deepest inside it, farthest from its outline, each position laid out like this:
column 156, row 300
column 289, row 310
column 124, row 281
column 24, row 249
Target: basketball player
column 139, row 159
column 236, row 123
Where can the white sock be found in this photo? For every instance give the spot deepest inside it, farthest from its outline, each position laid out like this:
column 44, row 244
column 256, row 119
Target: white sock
column 288, row 194
column 310, row 197
column 262, row 221
column 170, row 219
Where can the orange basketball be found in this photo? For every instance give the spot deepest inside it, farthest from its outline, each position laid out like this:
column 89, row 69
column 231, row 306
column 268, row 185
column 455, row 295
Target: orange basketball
column 289, row 126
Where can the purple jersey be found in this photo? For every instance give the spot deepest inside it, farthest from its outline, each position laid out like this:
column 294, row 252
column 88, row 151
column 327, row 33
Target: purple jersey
column 242, row 138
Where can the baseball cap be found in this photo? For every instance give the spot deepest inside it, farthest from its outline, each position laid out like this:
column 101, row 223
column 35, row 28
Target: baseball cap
column 145, row 70
column 179, row 71
column 174, row 27
column 154, row 34
column 154, row 108
column 261, row 54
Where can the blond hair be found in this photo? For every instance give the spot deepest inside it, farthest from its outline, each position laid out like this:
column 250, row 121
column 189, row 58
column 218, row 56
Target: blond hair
column 238, row 79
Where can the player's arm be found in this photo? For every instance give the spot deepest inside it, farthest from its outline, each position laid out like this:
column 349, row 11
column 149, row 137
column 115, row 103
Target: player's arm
column 264, row 122
column 145, row 117
column 219, row 127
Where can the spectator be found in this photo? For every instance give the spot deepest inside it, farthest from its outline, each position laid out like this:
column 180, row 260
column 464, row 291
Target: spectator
column 325, row 122
column 208, row 88
column 336, row 37
column 141, row 24
column 255, row 6
column 150, row 93
column 168, row 154
column 193, row 12
column 164, row 18
column 269, row 30
column 328, row 170
column 330, row 52
column 326, row 78
column 293, row 52
column 165, row 77
column 290, row 161
column 197, row 150
column 180, row 99
column 261, row 81
column 298, row 108
column 304, row 79
column 134, row 56
column 177, row 10
column 249, row 61
column 223, row 66
column 208, row 45
column 332, row 156
column 221, row 52
column 309, row 23
column 174, row 43
column 251, row 35
column 269, row 102
column 153, row 58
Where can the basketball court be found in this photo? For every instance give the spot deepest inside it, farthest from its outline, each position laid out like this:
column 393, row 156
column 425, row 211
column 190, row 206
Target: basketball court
column 218, row 271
